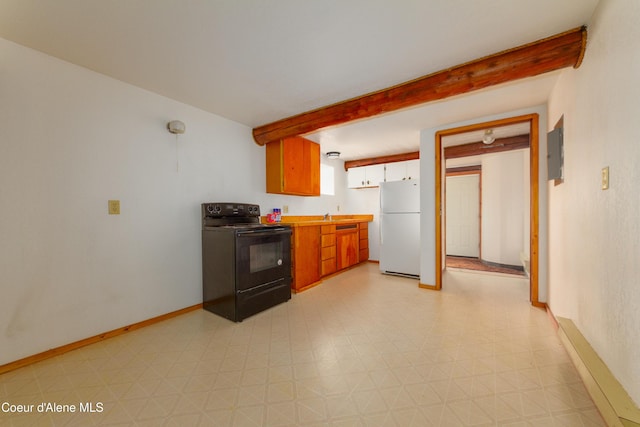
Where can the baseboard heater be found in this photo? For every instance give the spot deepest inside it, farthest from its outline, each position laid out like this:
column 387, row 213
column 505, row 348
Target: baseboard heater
column 613, row 402
column 407, row 275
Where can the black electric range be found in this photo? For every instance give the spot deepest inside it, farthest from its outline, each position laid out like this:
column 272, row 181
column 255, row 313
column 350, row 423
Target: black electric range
column 246, row 265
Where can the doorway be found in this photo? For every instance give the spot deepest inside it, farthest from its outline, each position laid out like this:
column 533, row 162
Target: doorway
column 440, row 173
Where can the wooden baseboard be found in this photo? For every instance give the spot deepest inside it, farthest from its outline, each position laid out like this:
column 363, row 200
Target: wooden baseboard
column 613, row 402
column 552, row 319
column 91, row 340
column 304, row 288
column 430, row 287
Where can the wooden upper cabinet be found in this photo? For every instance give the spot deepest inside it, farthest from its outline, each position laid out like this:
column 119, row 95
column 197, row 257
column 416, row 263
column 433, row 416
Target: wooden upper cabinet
column 293, row 167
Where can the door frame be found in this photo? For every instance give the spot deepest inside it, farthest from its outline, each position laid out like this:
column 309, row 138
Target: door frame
column 534, row 161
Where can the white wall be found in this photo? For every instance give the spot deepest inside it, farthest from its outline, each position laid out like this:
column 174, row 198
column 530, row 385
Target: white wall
column 594, row 271
column 71, row 139
column 503, row 207
column 367, row 200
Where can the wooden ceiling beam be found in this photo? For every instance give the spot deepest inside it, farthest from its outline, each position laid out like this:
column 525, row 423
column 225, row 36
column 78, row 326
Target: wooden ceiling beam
column 478, row 148
column 549, row 54
column 392, row 158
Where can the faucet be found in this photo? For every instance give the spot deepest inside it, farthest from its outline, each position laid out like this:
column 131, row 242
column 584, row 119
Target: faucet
column 327, row 217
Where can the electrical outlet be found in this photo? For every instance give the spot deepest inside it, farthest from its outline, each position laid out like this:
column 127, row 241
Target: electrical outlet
column 605, row 178
column 338, row 208
column 114, row 207
column 285, row 209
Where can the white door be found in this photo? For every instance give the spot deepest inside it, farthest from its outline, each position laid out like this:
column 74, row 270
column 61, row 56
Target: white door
column 463, row 215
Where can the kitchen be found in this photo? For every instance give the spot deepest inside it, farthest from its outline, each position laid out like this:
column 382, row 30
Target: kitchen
column 160, row 179
column 114, row 145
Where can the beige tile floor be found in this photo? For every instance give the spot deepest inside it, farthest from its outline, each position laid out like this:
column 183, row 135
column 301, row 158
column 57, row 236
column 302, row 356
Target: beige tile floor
column 362, row 349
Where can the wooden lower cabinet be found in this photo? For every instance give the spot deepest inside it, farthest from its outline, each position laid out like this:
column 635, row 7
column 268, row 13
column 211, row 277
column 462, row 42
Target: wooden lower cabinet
column 321, row 250
column 347, row 245
column 305, row 257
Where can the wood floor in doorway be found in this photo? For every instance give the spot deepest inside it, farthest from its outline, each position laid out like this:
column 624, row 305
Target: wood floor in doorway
column 475, row 264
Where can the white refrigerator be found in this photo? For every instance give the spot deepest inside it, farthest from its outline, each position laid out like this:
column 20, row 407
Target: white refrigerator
column 400, row 228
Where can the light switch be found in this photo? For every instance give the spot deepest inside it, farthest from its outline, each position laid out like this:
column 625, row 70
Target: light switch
column 114, row 207
column 605, row 178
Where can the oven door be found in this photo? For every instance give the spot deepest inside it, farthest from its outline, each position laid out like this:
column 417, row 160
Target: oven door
column 263, row 256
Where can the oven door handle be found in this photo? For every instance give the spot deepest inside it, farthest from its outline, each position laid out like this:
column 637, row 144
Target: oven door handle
column 273, row 282
column 270, row 232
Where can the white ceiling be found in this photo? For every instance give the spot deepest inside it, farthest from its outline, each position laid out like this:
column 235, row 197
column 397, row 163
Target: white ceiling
column 257, row 61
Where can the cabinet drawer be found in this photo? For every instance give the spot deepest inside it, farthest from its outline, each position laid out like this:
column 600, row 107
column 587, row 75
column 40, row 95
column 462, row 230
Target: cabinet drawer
column 364, row 244
column 327, row 240
column 328, row 252
column 327, row 229
column 328, row 266
column 364, row 255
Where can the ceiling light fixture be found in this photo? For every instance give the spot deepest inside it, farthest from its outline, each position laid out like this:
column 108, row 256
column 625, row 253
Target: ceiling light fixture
column 488, row 137
column 333, row 154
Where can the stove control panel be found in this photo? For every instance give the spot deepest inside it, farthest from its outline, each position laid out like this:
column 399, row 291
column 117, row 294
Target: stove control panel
column 222, row 210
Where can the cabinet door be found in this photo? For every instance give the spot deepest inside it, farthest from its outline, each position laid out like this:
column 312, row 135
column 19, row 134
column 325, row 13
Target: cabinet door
column 347, row 248
column 356, row 177
column 301, row 166
column 413, row 169
column 306, row 257
column 396, row 171
column 293, row 167
column 374, row 175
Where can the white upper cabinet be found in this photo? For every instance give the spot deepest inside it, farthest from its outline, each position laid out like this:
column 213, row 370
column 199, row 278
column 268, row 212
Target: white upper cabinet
column 413, row 169
column 365, row 176
column 373, row 175
column 400, row 171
